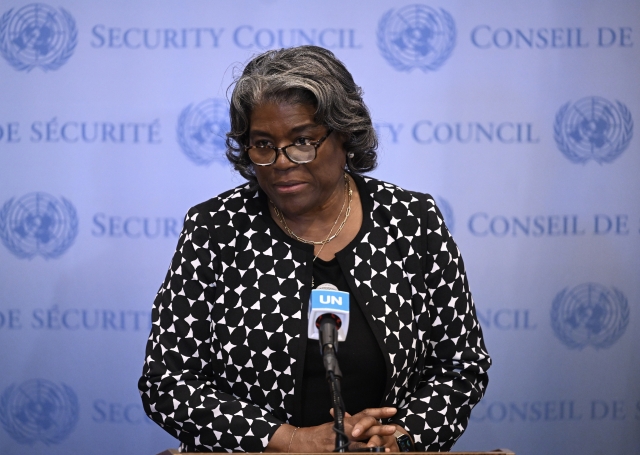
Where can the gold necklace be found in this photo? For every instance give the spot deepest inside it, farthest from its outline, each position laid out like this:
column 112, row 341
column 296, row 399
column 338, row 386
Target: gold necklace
column 330, row 237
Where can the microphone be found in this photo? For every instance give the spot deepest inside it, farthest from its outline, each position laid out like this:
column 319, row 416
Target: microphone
column 328, row 308
column 329, row 323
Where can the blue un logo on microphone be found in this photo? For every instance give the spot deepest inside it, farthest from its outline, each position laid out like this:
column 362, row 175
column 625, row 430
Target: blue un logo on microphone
column 593, row 128
column 39, row 410
column 202, row 129
column 589, row 315
column 416, row 36
column 38, row 224
column 37, row 35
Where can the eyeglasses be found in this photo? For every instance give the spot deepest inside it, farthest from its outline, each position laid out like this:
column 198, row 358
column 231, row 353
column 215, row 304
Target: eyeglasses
column 266, row 154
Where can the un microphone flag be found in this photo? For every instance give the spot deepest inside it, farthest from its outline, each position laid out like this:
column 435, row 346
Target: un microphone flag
column 326, row 299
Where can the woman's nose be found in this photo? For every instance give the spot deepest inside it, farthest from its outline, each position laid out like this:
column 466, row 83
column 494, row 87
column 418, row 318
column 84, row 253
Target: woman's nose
column 282, row 161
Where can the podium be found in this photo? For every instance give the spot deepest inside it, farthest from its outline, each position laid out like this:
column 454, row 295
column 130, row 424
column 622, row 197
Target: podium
column 492, row 452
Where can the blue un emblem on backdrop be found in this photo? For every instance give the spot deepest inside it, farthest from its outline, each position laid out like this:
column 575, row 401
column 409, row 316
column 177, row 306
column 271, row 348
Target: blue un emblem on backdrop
column 202, row 130
column 589, row 315
column 38, row 224
column 593, row 128
column 37, row 35
column 38, row 410
column 416, row 36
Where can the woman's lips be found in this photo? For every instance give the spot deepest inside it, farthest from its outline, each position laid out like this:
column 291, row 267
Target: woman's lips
column 288, row 187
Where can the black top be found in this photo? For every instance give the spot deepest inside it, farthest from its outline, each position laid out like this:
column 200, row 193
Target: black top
column 361, row 361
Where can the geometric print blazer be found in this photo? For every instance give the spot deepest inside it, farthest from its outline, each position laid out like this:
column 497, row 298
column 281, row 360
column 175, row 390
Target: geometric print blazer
column 225, row 356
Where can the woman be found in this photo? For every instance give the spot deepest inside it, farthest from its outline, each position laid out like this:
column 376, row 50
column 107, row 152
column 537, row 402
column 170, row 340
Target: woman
column 228, row 364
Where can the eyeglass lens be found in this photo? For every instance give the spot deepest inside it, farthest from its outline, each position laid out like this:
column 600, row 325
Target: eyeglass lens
column 297, row 153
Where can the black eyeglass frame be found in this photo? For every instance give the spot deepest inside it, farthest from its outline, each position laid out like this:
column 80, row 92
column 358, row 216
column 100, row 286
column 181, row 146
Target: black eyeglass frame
column 315, row 144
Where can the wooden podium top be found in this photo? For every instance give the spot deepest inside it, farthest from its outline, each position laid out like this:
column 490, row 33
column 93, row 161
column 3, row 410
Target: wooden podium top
column 493, row 452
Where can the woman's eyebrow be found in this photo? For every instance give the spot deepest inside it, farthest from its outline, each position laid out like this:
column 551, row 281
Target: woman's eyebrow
column 295, row 129
column 304, row 127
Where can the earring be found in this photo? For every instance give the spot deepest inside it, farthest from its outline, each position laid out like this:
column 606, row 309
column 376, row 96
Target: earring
column 350, row 155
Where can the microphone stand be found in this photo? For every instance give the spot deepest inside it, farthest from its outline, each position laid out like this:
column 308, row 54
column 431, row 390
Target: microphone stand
column 330, row 361
column 334, row 376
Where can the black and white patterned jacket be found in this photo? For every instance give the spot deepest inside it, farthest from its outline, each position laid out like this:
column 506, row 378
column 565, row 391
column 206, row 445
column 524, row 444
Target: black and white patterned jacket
column 226, row 352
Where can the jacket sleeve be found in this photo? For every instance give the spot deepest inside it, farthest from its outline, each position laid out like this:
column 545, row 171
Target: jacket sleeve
column 178, row 387
column 453, row 372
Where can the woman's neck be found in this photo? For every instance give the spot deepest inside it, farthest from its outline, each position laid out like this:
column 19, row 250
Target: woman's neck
column 318, row 230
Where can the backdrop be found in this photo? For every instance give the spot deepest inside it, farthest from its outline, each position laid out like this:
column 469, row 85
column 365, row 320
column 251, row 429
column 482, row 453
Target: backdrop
column 517, row 116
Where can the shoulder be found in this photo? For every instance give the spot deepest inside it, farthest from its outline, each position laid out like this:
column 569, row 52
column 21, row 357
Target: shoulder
column 390, row 195
column 395, row 206
column 232, row 200
column 220, row 210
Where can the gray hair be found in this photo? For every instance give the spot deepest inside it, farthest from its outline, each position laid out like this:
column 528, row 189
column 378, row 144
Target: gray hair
column 302, row 75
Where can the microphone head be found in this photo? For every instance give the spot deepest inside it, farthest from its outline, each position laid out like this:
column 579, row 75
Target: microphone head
column 329, row 315
column 326, row 300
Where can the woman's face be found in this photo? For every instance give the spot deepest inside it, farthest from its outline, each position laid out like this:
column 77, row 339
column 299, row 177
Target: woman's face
column 298, row 189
